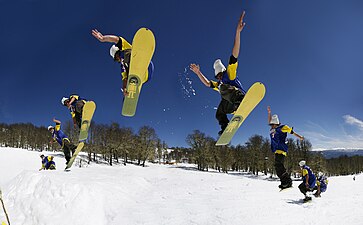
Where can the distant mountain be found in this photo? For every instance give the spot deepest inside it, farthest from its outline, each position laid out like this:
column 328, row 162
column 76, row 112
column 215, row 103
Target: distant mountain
column 335, row 153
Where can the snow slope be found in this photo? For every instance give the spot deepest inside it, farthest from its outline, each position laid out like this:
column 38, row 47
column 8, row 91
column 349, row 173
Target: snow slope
column 158, row 194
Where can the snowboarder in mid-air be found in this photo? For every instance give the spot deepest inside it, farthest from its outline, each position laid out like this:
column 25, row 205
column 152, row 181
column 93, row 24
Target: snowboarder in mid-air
column 75, row 105
column 228, row 84
column 309, row 180
column 62, row 139
column 278, row 135
column 121, row 53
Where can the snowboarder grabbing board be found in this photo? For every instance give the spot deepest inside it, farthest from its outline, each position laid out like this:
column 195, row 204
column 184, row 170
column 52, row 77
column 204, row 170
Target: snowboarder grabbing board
column 136, row 65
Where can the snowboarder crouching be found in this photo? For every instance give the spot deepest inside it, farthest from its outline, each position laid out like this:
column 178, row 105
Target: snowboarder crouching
column 121, row 53
column 62, row 139
column 321, row 184
column 309, row 180
column 47, row 163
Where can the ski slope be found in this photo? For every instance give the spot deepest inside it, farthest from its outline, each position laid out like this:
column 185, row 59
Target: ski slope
column 159, row 194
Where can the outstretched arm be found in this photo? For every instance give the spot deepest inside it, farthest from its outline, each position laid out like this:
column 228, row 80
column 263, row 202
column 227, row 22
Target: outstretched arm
column 196, row 69
column 56, row 121
column 299, row 136
column 237, row 39
column 268, row 114
column 104, row 38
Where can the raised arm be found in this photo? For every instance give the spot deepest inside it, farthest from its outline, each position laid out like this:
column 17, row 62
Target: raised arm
column 299, row 136
column 268, row 114
column 104, row 38
column 56, row 121
column 196, row 69
column 237, row 39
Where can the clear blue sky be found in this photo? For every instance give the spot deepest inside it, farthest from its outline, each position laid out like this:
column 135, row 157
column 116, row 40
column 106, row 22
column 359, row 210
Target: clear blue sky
column 307, row 53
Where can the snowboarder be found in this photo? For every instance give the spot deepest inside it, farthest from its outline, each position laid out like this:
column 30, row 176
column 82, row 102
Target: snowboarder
column 228, row 84
column 121, row 53
column 62, row 139
column 75, row 105
column 47, row 163
column 321, row 184
column 278, row 135
column 309, row 180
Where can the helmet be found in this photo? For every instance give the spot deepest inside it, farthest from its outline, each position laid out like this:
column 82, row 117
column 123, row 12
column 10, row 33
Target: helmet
column 302, row 163
column 41, row 156
column 50, row 127
column 64, row 99
column 320, row 174
column 113, row 50
column 218, row 67
column 274, row 120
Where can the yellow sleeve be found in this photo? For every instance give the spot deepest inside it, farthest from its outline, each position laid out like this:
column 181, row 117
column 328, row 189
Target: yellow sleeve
column 73, row 114
column 305, row 172
column 124, row 75
column 125, row 44
column 57, row 127
column 286, row 129
column 74, row 96
column 232, row 71
column 318, row 183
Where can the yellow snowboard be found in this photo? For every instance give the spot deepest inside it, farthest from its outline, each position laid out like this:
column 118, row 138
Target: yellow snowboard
column 87, row 114
column 253, row 96
column 143, row 46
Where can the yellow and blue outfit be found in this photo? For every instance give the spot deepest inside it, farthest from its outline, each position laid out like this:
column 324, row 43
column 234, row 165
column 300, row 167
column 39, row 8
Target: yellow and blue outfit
column 76, row 109
column 63, row 141
column 125, row 55
column 278, row 137
column 231, row 91
column 322, row 181
column 307, row 172
column 48, row 163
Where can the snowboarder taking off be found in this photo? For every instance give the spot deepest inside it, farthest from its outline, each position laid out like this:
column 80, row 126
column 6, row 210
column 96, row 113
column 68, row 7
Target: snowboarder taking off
column 227, row 83
column 121, row 53
column 62, row 139
column 278, row 135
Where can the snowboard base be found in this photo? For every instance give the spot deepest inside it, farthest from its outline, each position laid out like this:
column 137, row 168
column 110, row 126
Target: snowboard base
column 74, row 156
column 87, row 114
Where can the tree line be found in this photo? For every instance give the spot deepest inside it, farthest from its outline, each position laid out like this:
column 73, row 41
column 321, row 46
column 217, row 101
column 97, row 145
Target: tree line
column 112, row 143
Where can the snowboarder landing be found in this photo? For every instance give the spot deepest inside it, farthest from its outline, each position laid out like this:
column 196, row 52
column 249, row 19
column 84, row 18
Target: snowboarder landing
column 47, row 163
column 278, row 135
column 62, row 139
column 309, row 180
column 121, row 53
column 227, row 83
column 75, row 105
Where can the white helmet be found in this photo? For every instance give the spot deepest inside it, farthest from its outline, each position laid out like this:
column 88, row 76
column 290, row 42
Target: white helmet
column 64, row 99
column 275, row 120
column 218, row 67
column 113, row 51
column 320, row 174
column 50, row 127
column 302, row 163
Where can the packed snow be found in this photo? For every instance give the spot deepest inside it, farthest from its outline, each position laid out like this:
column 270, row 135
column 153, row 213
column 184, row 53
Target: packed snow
column 162, row 194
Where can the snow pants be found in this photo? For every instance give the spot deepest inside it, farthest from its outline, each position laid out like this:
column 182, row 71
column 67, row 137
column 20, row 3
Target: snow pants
column 68, row 147
column 281, row 170
column 78, row 113
column 231, row 99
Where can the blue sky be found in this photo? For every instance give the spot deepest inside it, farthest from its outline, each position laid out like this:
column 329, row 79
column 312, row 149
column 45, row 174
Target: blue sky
column 307, row 53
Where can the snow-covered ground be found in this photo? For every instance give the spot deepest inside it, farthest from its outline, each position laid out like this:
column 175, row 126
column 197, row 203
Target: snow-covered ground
column 159, row 194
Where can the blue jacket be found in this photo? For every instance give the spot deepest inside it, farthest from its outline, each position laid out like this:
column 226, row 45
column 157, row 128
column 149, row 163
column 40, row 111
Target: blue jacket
column 312, row 179
column 48, row 163
column 58, row 134
column 323, row 182
column 278, row 139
